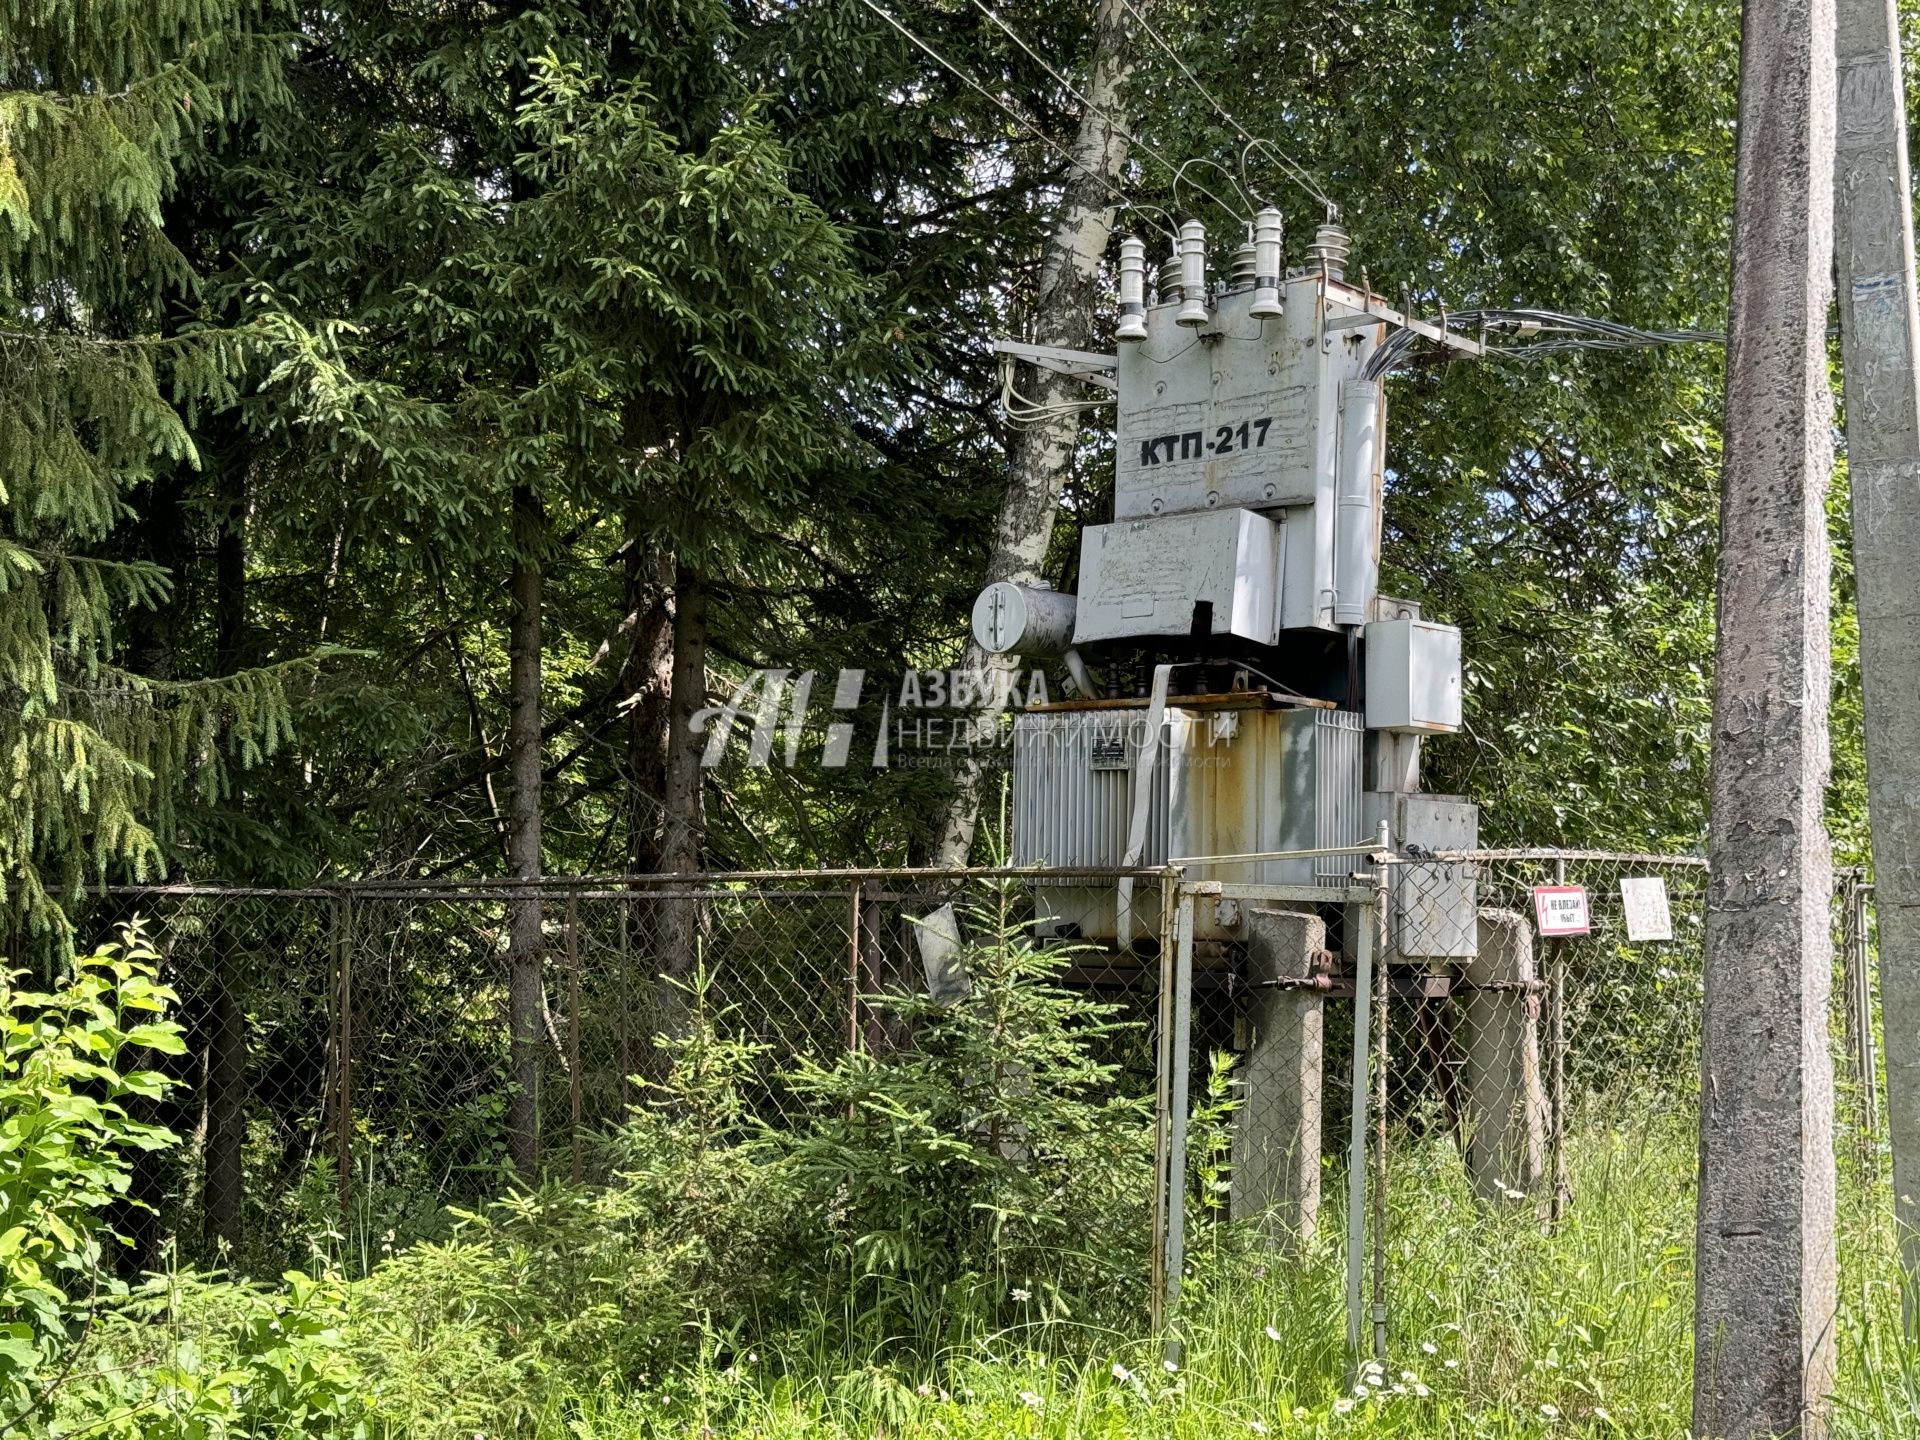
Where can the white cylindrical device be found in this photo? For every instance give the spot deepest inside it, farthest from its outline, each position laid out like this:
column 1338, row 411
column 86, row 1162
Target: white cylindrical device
column 1193, row 274
column 1133, row 290
column 1356, row 564
column 1267, row 235
column 1030, row 620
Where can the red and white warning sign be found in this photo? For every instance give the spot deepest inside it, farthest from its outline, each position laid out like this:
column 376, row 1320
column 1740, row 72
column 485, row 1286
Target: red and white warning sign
column 1561, row 910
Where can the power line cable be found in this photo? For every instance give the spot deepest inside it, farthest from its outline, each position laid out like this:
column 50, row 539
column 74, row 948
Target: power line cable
column 1569, row 332
column 1297, row 173
column 1107, row 115
column 1025, row 124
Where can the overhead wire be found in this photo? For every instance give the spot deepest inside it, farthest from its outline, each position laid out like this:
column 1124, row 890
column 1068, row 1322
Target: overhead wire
column 1107, row 115
column 1022, row 411
column 1253, row 203
column 1567, row 332
column 1296, row 172
column 1022, row 121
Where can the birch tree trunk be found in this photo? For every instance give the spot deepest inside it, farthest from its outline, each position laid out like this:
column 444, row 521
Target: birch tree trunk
column 1038, row 456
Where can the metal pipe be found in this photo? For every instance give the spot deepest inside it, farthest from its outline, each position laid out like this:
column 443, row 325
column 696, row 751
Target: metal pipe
column 1562, row 1188
column 1367, row 849
column 1179, row 1057
column 1378, row 921
column 1162, row 1082
column 1358, row 917
column 640, row 884
column 575, row 1105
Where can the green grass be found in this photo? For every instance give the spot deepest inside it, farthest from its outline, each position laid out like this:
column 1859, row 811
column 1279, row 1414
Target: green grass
column 1499, row 1329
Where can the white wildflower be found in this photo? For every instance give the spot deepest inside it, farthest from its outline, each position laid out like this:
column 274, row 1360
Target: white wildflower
column 1342, row 1405
column 1022, row 1294
column 1420, row 1391
column 1451, row 1364
column 1273, row 1334
column 1031, row 1400
column 1169, row 1367
column 1429, row 1347
column 1360, row 1391
column 1121, row 1373
column 1552, row 1412
column 1256, row 1427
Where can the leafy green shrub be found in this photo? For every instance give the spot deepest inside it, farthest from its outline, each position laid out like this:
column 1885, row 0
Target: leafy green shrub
column 982, row 1176
column 81, row 1353
column 66, row 1139
column 565, row 1288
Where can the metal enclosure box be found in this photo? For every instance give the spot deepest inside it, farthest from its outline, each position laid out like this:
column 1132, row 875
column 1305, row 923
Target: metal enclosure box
column 1255, row 423
column 1252, row 781
column 1434, row 905
column 1413, row 677
column 1144, row 577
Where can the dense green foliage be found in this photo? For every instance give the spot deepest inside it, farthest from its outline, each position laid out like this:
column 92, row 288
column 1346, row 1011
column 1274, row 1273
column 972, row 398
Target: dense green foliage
column 327, row 328
column 66, row 1138
column 823, row 1281
column 349, row 319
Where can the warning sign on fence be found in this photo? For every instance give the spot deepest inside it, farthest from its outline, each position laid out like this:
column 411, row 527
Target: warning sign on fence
column 1561, row 910
column 1643, row 899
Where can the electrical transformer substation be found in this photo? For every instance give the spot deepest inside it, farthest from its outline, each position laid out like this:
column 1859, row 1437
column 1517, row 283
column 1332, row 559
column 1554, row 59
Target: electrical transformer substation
column 1249, row 704
column 1245, row 688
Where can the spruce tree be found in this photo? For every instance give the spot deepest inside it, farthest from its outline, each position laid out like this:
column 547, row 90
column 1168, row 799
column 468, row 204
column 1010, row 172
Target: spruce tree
column 102, row 366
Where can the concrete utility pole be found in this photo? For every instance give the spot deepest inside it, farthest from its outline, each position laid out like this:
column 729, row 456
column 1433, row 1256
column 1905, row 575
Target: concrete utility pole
column 1880, row 351
column 1765, row 1288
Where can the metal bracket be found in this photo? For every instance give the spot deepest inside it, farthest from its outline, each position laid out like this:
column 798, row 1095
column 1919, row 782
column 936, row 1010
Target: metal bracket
column 1368, row 311
column 1088, row 365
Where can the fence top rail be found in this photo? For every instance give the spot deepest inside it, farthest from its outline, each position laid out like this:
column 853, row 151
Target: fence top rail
column 833, row 881
column 1604, row 857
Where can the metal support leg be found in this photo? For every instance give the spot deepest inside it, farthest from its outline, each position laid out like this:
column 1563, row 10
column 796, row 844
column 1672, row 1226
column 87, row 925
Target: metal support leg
column 1361, row 918
column 1179, row 1053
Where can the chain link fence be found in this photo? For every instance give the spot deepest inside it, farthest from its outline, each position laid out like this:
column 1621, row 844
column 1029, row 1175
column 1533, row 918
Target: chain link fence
column 1529, row 1008
column 362, row 1057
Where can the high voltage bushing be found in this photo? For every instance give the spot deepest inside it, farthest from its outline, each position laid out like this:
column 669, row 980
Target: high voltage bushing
column 1193, row 275
column 1268, row 233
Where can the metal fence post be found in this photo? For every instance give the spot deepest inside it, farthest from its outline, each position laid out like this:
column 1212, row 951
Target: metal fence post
column 1557, row 1094
column 624, row 1088
column 1179, row 1056
column 1360, row 917
column 574, row 1098
column 1859, row 1000
column 343, row 1103
column 853, row 971
column 1162, row 1092
column 1377, row 921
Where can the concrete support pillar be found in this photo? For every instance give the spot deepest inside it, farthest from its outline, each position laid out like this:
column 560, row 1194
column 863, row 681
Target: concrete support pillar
column 1505, row 1117
column 1880, row 350
column 1276, row 1134
column 1764, row 1296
